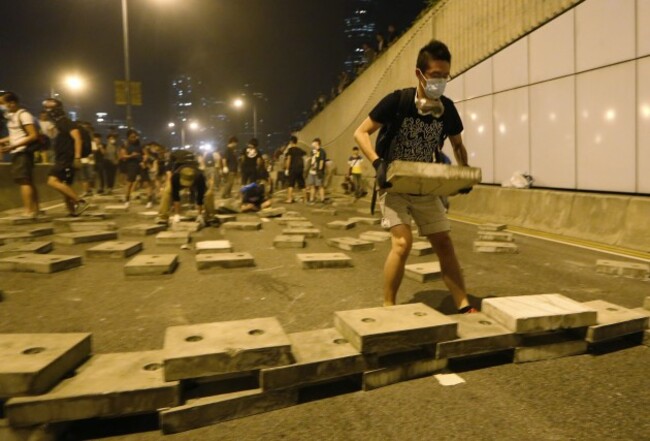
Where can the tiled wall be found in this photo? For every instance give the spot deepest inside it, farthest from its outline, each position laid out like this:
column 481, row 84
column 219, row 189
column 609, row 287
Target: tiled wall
column 569, row 103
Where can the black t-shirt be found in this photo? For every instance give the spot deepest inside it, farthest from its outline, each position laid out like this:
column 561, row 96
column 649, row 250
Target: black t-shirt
column 64, row 142
column 296, row 157
column 420, row 135
column 134, row 148
column 231, row 159
column 250, row 156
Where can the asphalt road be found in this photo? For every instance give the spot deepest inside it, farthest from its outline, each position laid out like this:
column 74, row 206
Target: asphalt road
column 603, row 396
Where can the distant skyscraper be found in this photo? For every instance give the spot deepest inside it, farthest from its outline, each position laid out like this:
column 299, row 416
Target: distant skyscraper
column 183, row 89
column 360, row 27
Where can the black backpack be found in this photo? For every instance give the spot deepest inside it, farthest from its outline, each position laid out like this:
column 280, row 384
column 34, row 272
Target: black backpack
column 389, row 131
column 41, row 143
column 86, row 141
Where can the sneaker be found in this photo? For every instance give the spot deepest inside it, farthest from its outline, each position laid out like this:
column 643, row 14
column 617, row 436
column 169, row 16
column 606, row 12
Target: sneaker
column 81, row 206
column 176, row 218
column 127, row 204
column 149, row 204
column 468, row 310
column 200, row 220
column 162, row 220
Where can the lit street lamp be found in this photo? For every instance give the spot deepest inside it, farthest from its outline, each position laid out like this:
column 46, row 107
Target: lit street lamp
column 239, row 104
column 192, row 125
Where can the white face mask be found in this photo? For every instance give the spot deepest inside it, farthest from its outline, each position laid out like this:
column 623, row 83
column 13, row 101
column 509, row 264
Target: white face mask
column 434, row 87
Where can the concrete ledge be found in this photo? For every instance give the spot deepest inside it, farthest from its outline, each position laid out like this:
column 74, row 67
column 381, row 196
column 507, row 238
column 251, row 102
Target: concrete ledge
column 617, row 220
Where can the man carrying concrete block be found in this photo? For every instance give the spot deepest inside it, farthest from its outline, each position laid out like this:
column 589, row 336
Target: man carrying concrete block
column 414, row 123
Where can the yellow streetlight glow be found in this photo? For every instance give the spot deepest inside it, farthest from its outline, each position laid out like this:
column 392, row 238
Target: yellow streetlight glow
column 171, row 125
column 194, row 125
column 239, row 103
column 75, row 83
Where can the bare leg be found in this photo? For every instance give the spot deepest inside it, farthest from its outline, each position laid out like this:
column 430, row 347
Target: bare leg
column 289, row 195
column 450, row 268
column 401, row 242
column 63, row 188
column 321, row 192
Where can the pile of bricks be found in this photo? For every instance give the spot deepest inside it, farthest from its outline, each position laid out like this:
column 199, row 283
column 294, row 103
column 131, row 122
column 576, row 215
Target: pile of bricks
column 493, row 239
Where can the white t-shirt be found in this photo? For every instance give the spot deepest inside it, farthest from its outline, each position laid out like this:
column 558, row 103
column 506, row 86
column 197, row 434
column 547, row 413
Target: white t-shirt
column 16, row 124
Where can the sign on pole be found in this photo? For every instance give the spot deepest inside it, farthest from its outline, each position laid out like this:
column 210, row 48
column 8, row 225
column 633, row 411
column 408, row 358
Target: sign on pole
column 135, row 93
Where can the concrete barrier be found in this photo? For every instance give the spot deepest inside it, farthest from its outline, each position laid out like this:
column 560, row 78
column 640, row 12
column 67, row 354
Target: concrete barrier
column 616, row 220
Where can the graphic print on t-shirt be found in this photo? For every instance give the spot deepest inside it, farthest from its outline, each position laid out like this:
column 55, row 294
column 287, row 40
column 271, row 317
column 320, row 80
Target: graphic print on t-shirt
column 416, row 140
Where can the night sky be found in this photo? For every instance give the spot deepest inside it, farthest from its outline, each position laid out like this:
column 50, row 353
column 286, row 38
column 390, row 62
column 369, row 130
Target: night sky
column 291, row 50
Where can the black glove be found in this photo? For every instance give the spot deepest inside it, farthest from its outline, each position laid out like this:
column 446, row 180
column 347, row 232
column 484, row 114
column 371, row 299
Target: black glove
column 465, row 190
column 381, row 168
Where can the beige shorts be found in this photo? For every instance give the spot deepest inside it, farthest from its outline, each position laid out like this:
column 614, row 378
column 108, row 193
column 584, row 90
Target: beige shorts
column 427, row 211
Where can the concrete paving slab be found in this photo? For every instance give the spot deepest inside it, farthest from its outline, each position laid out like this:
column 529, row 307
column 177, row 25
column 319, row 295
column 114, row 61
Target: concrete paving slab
column 625, row 269
column 15, row 249
column 84, row 237
column 549, row 346
column 305, row 232
column 324, row 260
column 299, row 224
column 495, row 247
column 394, row 328
column 39, row 263
column 375, row 236
column 421, row 248
column 366, row 220
column 16, row 237
column 319, row 356
column 424, row 178
column 64, row 222
column 209, row 349
column 614, row 321
column 108, row 385
column 23, row 220
column 492, row 227
column 92, row 226
column 646, row 303
column 224, row 218
column 341, row 225
column 402, row 366
column 284, row 220
column 212, row 410
column 272, row 212
column 539, row 313
column 423, row 272
column 328, row 211
column 245, row 226
column 42, row 432
column 41, row 231
column 213, row 246
column 477, row 334
column 142, row 230
column 646, row 338
column 34, row 363
column 191, row 226
column 148, row 214
column 351, row 244
column 151, row 264
column 224, row 260
column 173, row 238
column 116, row 208
column 114, row 249
column 495, row 236
column 289, row 241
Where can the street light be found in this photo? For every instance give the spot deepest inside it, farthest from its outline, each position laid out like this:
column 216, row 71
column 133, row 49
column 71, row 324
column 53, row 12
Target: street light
column 239, row 104
column 193, row 125
column 75, row 83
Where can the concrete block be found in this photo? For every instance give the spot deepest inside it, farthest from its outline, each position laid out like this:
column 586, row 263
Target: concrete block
column 151, row 264
column 272, row 212
column 299, row 224
column 284, row 220
column 424, row 178
column 173, row 238
column 84, row 237
column 324, row 260
column 646, row 303
column 190, row 226
column 213, row 246
column 495, row 247
column 289, row 241
column 549, row 346
column 108, row 385
column 421, row 249
column 366, row 220
column 39, row 263
column 23, row 220
column 625, row 269
column 375, row 236
column 401, row 366
column 492, row 227
column 614, row 321
column 224, row 218
column 92, row 226
column 15, row 237
column 394, row 328
column 41, row 231
column 34, row 363
column 319, row 356
column 306, row 232
column 209, row 349
column 423, row 272
column 341, row 225
column 116, row 208
column 114, row 250
column 142, row 230
column 15, row 249
column 224, row 260
column 328, row 211
column 212, row 410
column 42, row 432
column 246, row 226
column 477, row 334
column 646, row 338
column 351, row 244
column 539, row 313
column 495, row 236
column 148, row 214
column 65, row 222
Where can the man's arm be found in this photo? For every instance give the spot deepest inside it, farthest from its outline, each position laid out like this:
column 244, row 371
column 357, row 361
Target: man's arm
column 32, row 136
column 460, row 152
column 362, row 137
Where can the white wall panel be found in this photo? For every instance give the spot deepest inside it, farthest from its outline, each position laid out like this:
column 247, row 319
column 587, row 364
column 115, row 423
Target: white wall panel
column 511, row 142
column 455, row 89
column 643, row 27
column 552, row 49
column 643, row 118
column 605, row 32
column 478, row 80
column 606, row 127
column 478, row 135
column 446, row 148
column 552, row 133
column 511, row 66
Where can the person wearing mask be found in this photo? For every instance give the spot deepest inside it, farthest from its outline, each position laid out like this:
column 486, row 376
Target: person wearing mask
column 251, row 162
column 294, row 168
column 111, row 152
column 316, row 176
column 229, row 164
